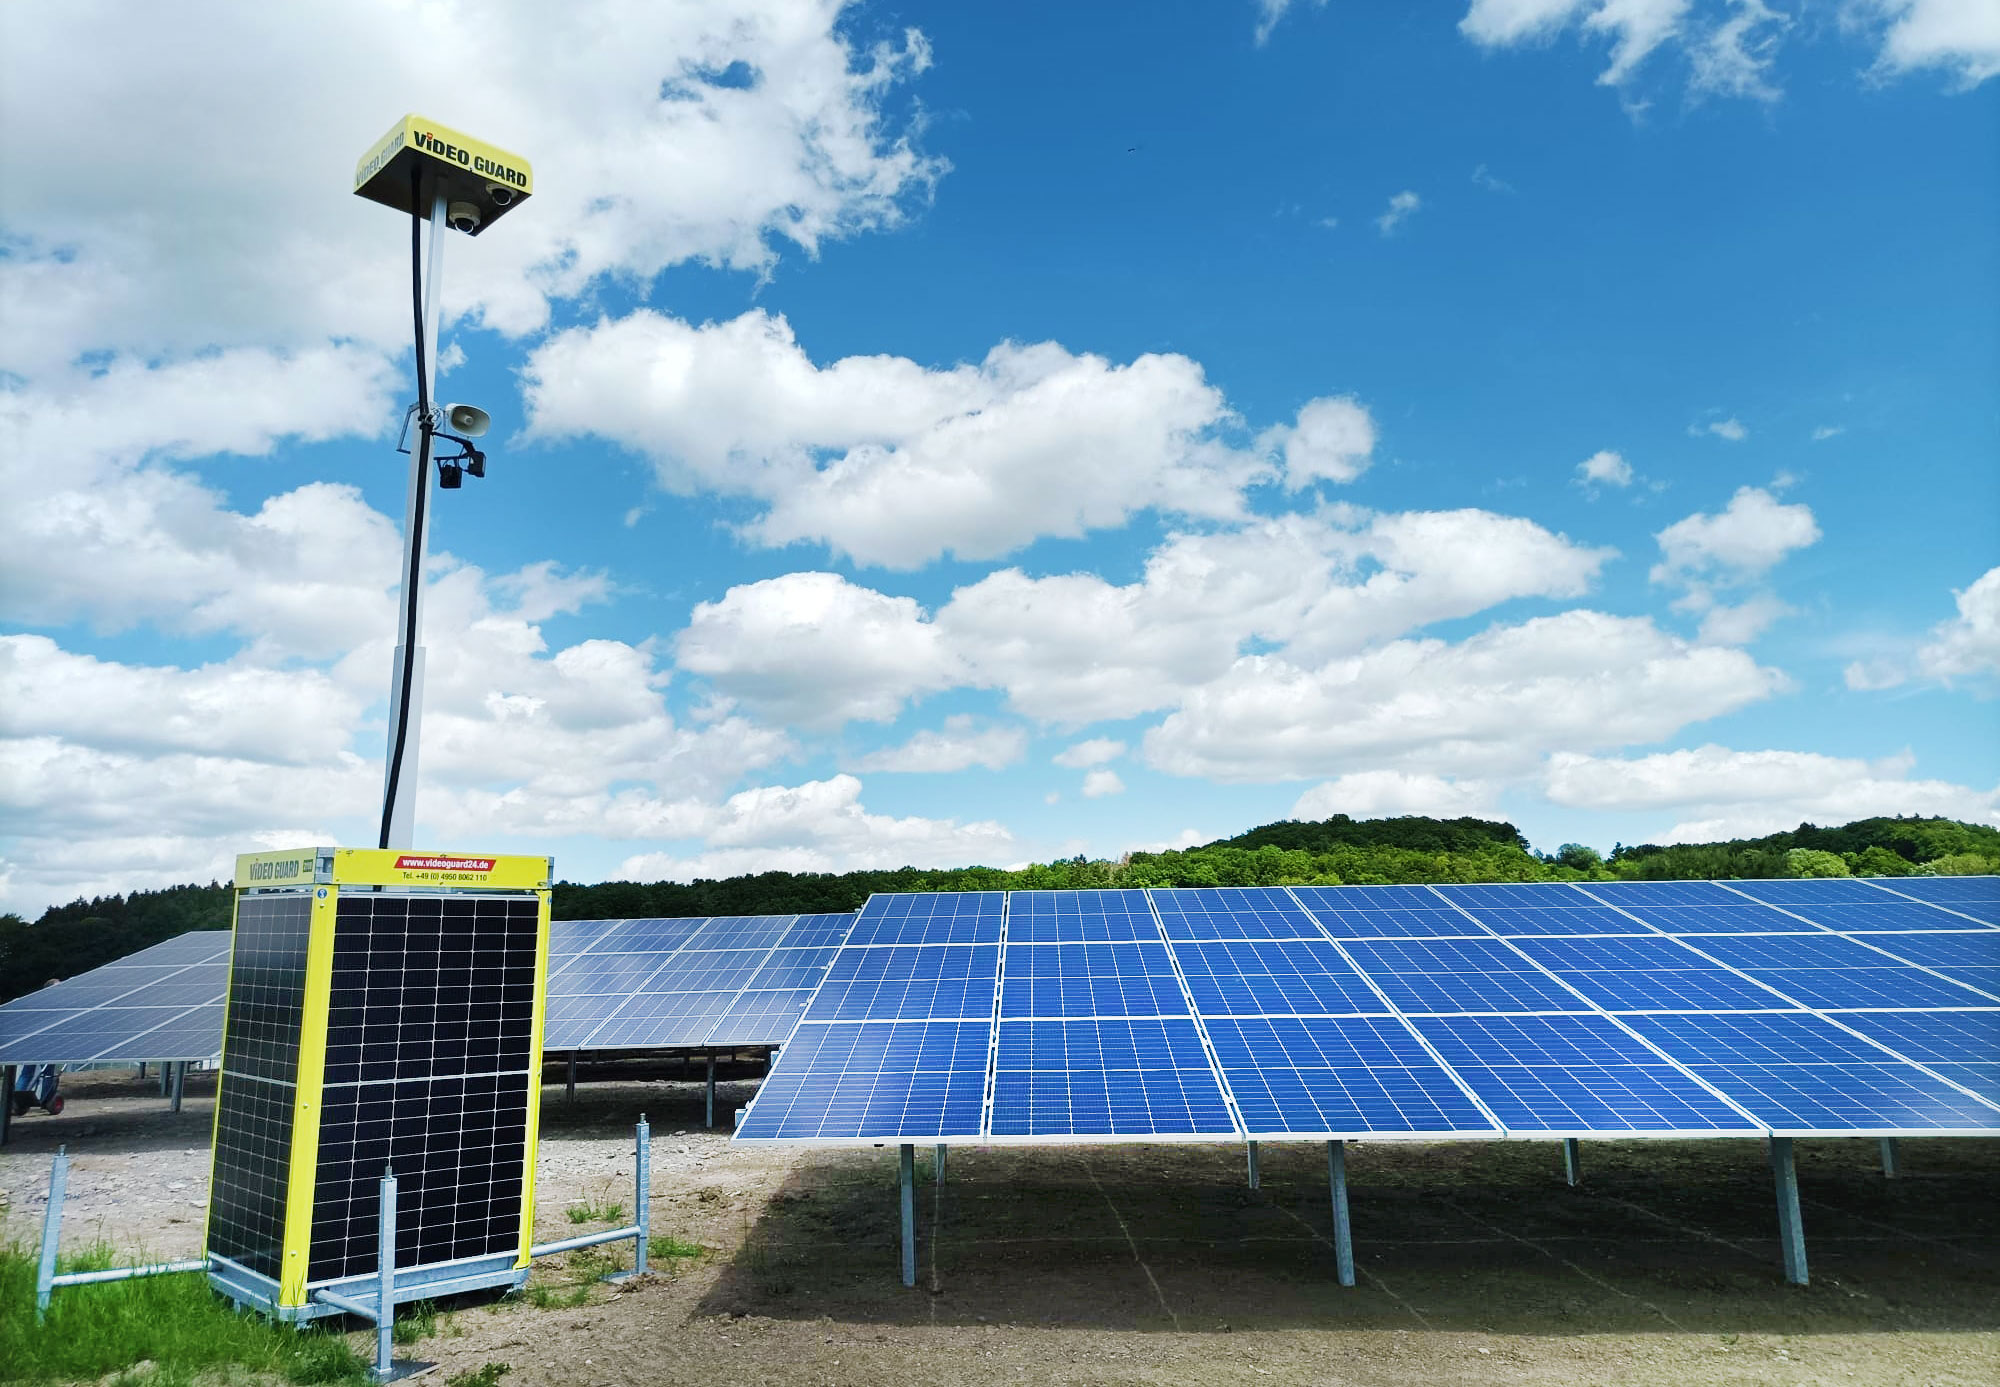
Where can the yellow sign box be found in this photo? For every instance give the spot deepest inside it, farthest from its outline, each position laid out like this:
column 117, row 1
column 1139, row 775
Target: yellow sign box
column 391, row 867
column 418, row 158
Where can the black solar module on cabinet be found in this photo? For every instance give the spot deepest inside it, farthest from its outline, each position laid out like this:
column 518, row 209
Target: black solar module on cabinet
column 429, row 1041
column 260, row 1057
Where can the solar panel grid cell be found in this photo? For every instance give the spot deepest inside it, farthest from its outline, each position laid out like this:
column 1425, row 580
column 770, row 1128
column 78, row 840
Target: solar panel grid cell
column 1742, row 917
column 880, row 1080
column 1648, row 974
column 1102, row 979
column 1459, row 975
column 1235, row 912
column 1575, row 1074
column 1802, row 1074
column 1889, row 917
column 1392, row 922
column 1275, row 977
column 1525, row 921
column 1339, row 1077
column 1144, row 1077
column 1796, row 891
column 909, row 982
column 1633, row 894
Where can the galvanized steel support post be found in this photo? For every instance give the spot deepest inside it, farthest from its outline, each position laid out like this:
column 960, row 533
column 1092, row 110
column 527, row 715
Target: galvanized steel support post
column 45, row 1268
column 180, row 1085
column 1252, row 1161
column 710, row 1119
column 6, row 1101
column 1892, row 1159
column 907, row 1164
column 642, row 1192
column 1343, row 1236
column 937, row 1163
column 1572, row 1160
column 385, row 1286
column 569, row 1091
column 1791, row 1232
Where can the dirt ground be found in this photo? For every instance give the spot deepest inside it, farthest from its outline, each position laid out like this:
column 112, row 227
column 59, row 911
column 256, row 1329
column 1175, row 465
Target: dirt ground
column 1155, row 1264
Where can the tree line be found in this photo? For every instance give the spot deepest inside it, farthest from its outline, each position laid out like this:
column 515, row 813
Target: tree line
column 85, row 934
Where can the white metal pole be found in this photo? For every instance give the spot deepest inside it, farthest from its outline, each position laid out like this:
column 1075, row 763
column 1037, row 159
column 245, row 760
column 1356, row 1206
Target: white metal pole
column 416, row 535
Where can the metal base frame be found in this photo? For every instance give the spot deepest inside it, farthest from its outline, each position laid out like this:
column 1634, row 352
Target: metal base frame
column 252, row 1290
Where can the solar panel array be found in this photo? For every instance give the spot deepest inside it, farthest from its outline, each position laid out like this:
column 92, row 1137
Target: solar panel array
column 613, row 984
column 1663, row 1009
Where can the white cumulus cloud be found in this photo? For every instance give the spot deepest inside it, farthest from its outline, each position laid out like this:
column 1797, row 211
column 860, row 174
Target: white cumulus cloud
column 1718, row 792
column 1101, row 782
column 1488, row 706
column 1399, row 210
column 889, row 461
column 959, row 745
column 1365, row 794
column 1093, row 752
column 1604, row 468
column 1968, row 645
column 1744, row 540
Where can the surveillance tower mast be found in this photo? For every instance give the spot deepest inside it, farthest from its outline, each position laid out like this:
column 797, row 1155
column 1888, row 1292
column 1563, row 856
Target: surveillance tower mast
column 430, row 172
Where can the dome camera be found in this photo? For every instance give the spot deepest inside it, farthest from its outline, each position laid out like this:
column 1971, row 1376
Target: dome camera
column 499, row 194
column 463, row 216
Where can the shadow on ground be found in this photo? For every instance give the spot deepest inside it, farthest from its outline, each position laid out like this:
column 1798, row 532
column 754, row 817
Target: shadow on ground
column 1485, row 1237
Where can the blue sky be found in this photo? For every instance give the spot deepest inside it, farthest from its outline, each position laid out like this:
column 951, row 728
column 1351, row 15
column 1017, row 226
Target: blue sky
column 994, row 433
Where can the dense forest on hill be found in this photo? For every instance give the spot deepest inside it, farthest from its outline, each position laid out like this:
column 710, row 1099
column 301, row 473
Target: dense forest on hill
column 74, row 938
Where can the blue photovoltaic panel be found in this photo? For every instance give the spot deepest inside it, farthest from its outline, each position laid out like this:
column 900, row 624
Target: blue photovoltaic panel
column 818, row 931
column 888, row 1081
column 1633, row 894
column 705, row 970
column 603, row 975
column 1584, row 917
column 765, row 1017
column 103, row 1032
column 1800, row 1074
column 1956, row 949
column 1233, row 912
column 1652, row 974
column 662, row 1019
column 1964, row 1046
column 1827, row 971
column 788, row 967
column 1053, row 917
column 1348, row 915
column 1078, row 980
column 740, row 932
column 1272, row 977
column 1338, row 1077
column 1143, row 1079
column 1890, row 916
column 1368, row 897
column 1114, row 1051
column 1554, row 893
column 650, row 936
column 1459, row 975
column 1793, row 891
column 931, row 917
column 161, row 1003
column 1738, row 917
column 1574, row 1075
column 909, row 982
column 1975, row 896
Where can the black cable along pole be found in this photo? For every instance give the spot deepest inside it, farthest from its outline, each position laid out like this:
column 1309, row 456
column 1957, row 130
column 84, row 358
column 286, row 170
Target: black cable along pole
column 415, row 573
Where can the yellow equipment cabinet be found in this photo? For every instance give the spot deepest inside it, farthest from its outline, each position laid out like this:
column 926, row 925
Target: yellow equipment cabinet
column 384, row 1013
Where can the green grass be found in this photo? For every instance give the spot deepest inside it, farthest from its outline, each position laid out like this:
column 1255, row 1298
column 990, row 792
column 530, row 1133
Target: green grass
column 485, row 1375
column 414, row 1322
column 665, row 1247
column 592, row 1211
column 558, row 1297
column 175, row 1322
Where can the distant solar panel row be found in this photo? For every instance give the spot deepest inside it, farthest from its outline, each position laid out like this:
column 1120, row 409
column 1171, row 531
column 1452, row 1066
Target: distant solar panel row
column 1638, row 1008
column 613, row 984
